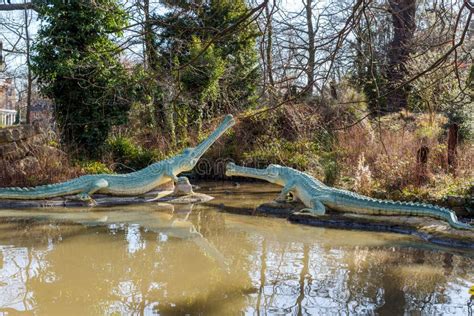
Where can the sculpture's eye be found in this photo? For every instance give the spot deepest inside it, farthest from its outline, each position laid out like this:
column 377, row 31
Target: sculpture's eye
column 186, row 151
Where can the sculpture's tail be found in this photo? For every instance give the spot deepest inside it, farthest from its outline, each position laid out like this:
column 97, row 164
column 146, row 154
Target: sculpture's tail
column 390, row 207
column 41, row 192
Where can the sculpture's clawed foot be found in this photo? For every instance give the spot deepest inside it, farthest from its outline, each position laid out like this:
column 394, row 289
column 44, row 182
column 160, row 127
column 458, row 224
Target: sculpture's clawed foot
column 284, row 199
column 183, row 187
column 306, row 211
column 309, row 211
column 91, row 202
column 86, row 198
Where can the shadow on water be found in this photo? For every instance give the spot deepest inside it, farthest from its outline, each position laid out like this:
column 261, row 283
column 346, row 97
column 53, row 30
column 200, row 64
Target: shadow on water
column 173, row 260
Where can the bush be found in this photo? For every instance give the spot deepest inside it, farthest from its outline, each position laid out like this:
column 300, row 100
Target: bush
column 94, row 167
column 292, row 154
column 326, row 144
column 127, row 156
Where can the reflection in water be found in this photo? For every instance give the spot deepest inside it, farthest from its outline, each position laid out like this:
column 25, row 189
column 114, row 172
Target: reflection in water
column 160, row 259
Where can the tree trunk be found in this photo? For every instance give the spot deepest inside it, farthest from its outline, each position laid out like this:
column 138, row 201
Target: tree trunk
column 163, row 108
column 29, row 74
column 149, row 49
column 268, row 49
column 359, row 60
column 403, row 19
column 311, row 48
column 17, row 6
column 1, row 55
column 422, row 164
column 452, row 147
column 268, row 54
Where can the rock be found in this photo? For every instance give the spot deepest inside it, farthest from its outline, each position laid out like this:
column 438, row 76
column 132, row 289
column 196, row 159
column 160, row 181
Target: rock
column 459, row 204
column 8, row 151
column 3, row 137
column 105, row 200
column 186, row 199
column 17, row 142
column 28, row 131
column 429, row 229
column 15, row 134
column 29, row 163
column 50, row 151
column 279, row 209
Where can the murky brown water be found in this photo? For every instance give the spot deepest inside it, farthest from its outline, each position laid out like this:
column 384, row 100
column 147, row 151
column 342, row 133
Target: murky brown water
column 160, row 259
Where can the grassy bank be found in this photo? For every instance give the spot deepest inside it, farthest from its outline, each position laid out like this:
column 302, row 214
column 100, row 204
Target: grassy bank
column 376, row 157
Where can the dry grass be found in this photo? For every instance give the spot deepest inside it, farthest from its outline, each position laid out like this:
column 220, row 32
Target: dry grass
column 390, row 150
column 374, row 157
column 43, row 165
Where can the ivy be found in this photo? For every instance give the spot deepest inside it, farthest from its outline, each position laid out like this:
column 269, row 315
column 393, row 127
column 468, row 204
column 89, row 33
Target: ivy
column 77, row 66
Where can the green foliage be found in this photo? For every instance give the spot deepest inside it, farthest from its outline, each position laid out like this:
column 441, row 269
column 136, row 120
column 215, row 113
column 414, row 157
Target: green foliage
column 325, row 142
column 297, row 154
column 94, row 167
column 443, row 187
column 462, row 114
column 439, row 91
column 205, row 82
column 78, row 68
column 129, row 156
column 371, row 86
column 238, row 50
column 470, row 81
column 429, row 128
column 217, row 74
column 202, row 80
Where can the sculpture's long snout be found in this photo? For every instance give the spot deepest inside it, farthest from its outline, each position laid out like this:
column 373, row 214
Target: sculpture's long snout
column 233, row 170
column 230, row 169
column 227, row 123
column 229, row 119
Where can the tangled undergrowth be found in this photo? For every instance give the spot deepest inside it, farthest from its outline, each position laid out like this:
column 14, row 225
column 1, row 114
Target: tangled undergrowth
column 376, row 157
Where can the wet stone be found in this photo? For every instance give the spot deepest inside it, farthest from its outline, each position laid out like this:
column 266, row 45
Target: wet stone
column 429, row 229
column 105, row 200
column 278, row 209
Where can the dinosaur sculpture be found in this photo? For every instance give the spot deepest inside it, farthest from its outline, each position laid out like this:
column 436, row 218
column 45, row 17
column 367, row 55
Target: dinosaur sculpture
column 135, row 183
column 316, row 196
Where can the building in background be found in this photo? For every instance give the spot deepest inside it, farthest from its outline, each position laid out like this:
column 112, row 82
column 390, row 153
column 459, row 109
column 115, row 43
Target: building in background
column 8, row 112
column 41, row 111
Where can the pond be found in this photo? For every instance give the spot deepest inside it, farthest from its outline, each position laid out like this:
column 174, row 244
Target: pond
column 204, row 259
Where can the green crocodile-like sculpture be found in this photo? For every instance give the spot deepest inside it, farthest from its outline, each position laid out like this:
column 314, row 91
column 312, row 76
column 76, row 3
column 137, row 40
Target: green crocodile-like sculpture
column 316, row 196
column 131, row 184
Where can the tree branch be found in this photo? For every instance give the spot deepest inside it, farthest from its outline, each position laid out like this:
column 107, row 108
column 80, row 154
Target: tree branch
column 17, row 6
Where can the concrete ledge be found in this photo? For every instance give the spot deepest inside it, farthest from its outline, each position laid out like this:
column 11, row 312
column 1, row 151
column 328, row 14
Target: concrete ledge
column 429, row 229
column 105, row 200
